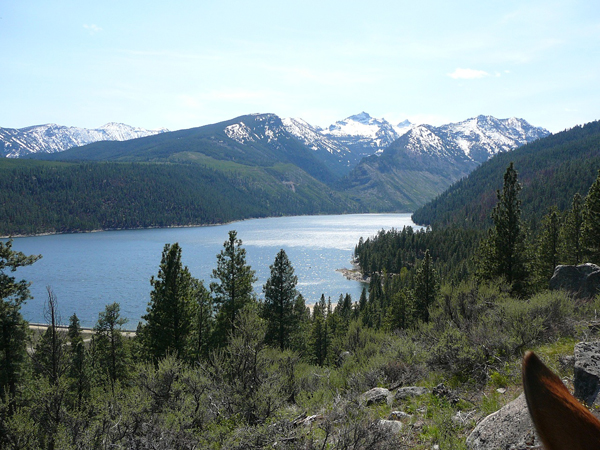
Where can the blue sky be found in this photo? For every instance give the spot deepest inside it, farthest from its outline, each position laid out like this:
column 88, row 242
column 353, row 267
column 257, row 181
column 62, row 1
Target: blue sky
column 181, row 64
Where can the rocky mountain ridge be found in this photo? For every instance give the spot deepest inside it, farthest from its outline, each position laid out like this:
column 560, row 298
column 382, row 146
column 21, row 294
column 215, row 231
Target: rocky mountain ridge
column 52, row 138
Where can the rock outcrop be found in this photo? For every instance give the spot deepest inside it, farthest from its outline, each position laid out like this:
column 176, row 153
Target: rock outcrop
column 411, row 391
column 376, row 396
column 582, row 280
column 509, row 428
column 586, row 381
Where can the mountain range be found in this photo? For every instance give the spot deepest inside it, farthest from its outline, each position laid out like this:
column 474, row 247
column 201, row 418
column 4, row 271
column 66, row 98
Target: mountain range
column 357, row 164
column 52, row 138
column 551, row 171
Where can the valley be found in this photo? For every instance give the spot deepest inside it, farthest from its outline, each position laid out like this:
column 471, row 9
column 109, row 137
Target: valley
column 251, row 166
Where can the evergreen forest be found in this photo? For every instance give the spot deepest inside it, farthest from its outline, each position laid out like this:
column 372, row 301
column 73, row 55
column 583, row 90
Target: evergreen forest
column 447, row 311
column 58, row 197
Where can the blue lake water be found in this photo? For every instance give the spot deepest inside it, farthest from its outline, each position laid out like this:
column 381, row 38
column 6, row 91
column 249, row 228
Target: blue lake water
column 90, row 270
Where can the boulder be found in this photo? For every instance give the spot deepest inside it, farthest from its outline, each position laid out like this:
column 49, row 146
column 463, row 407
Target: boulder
column 376, row 395
column 411, row 391
column 582, row 280
column 586, row 381
column 509, row 428
column 391, row 426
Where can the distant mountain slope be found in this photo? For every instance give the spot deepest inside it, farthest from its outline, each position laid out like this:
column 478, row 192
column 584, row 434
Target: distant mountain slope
column 52, row 138
column 551, row 171
column 337, row 157
column 47, row 196
column 253, row 140
column 364, row 135
column 426, row 160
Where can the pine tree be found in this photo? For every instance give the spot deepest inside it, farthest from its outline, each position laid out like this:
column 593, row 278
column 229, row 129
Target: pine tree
column 202, row 319
column 49, row 357
column 169, row 315
column 13, row 329
column 233, row 290
column 503, row 253
column 278, row 308
column 77, row 370
column 301, row 331
column 591, row 223
column 426, row 287
column 108, row 341
column 548, row 244
column 571, row 233
column 319, row 336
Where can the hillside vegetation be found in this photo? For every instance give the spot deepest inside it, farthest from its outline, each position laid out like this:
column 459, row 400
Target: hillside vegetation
column 47, row 197
column 551, row 171
column 450, row 310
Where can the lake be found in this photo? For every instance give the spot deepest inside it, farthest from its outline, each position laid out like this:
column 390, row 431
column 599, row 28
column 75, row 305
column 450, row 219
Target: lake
column 87, row 271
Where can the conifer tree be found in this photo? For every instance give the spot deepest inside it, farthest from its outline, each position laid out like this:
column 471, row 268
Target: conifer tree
column 49, row 357
column 301, row 331
column 591, row 222
column 548, row 244
column 571, row 233
column 319, row 337
column 278, row 308
column 13, row 328
column 77, row 368
column 233, row 288
column 202, row 319
column 503, row 253
column 426, row 287
column 169, row 313
column 109, row 347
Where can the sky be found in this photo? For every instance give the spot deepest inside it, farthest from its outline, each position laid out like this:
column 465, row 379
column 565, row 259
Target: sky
column 181, row 64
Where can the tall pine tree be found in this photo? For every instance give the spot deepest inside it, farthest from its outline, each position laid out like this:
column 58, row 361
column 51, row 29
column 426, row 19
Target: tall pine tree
column 548, row 247
column 233, row 288
column 169, row 313
column 278, row 308
column 13, row 328
column 426, row 288
column 503, row 253
column 591, row 223
column 571, row 233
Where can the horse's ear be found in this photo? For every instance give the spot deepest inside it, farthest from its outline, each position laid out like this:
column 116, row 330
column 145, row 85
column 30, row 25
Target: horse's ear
column 561, row 421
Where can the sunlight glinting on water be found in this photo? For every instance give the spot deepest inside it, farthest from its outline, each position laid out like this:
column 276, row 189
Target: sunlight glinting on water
column 88, row 271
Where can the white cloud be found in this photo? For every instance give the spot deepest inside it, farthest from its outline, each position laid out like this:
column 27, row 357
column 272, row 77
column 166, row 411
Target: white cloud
column 468, row 74
column 93, row 29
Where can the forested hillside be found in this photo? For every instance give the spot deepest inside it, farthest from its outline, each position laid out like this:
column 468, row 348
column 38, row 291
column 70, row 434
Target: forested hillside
column 551, row 171
column 43, row 197
column 258, row 140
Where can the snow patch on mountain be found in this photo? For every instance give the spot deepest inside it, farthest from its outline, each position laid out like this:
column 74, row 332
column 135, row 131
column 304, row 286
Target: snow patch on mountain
column 239, row 132
column 312, row 136
column 476, row 139
column 52, row 138
column 375, row 133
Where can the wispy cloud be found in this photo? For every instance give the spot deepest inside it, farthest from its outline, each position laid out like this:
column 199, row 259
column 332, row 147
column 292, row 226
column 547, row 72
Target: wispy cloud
column 92, row 29
column 468, row 74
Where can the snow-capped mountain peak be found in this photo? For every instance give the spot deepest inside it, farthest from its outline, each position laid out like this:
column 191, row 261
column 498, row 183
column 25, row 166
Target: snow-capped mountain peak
column 475, row 139
column 52, row 138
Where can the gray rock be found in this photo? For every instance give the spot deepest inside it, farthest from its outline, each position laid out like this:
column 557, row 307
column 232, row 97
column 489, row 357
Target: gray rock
column 582, row 280
column 586, row 380
column 391, row 426
column 376, row 395
column 509, row 428
column 399, row 415
column 411, row 391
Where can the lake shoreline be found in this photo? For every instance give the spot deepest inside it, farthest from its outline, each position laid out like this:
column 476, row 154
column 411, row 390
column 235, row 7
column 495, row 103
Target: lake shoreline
column 87, row 271
column 201, row 225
